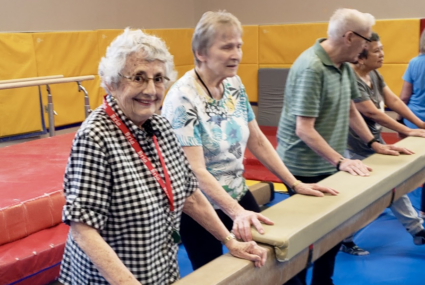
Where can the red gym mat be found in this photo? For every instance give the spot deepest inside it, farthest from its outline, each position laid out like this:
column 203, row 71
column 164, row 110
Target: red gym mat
column 28, row 170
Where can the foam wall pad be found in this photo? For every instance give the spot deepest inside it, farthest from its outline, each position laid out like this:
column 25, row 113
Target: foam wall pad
column 67, row 53
column 18, row 60
column 271, row 89
column 392, row 74
column 104, row 39
column 19, row 111
column 19, row 108
column 248, row 75
column 250, row 45
column 282, row 44
column 182, row 69
column 399, row 38
column 179, row 42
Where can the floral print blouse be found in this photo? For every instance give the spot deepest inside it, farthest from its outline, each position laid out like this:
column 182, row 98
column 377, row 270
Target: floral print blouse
column 219, row 126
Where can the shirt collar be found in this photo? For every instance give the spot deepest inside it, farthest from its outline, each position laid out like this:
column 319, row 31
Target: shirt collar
column 321, row 53
column 134, row 129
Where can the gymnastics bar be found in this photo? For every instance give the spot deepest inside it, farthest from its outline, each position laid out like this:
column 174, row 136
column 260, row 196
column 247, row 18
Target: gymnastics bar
column 306, row 227
column 30, row 79
column 47, row 82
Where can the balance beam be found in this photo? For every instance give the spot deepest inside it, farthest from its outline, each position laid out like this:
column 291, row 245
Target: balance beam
column 306, row 227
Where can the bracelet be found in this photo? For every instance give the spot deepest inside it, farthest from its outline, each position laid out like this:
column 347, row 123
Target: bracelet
column 229, row 237
column 338, row 164
column 369, row 144
column 295, row 184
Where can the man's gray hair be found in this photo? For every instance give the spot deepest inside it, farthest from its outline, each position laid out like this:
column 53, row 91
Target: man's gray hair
column 207, row 28
column 128, row 42
column 344, row 20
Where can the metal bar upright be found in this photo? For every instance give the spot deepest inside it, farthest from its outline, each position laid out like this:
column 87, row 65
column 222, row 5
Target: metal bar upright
column 50, row 112
column 87, row 109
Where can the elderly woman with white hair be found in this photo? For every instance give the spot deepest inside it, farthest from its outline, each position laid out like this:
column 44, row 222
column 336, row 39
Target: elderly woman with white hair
column 214, row 122
column 128, row 181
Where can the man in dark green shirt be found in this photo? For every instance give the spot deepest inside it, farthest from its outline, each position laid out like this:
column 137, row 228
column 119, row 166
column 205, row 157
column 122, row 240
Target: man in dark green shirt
column 318, row 110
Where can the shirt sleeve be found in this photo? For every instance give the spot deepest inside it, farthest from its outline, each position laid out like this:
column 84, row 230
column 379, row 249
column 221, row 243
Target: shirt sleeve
column 306, row 94
column 408, row 74
column 87, row 184
column 381, row 81
column 363, row 92
column 355, row 92
column 182, row 114
column 244, row 96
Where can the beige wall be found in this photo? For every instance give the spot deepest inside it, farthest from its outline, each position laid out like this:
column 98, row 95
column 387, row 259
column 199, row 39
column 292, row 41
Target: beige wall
column 260, row 12
column 58, row 15
column 74, row 15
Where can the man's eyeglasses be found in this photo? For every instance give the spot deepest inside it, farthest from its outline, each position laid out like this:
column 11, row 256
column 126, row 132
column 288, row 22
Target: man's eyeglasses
column 142, row 80
column 357, row 34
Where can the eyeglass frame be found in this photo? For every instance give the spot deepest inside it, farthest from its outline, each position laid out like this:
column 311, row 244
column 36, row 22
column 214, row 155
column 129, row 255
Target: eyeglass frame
column 145, row 79
column 357, row 34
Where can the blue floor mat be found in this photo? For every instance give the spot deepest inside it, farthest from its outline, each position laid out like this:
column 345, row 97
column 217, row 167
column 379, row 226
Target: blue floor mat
column 394, row 259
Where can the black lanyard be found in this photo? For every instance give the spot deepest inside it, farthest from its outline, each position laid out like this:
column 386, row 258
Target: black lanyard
column 200, row 79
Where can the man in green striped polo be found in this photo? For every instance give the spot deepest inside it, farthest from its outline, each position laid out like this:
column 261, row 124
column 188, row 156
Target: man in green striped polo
column 318, row 110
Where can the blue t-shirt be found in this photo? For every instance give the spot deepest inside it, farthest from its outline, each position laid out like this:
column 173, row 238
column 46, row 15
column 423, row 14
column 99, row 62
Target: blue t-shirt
column 415, row 75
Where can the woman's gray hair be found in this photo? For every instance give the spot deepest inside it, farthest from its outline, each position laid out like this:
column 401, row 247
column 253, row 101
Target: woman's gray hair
column 344, row 20
column 207, row 28
column 422, row 43
column 128, row 42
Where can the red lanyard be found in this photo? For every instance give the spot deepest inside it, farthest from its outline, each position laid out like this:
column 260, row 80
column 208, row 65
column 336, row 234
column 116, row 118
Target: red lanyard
column 133, row 142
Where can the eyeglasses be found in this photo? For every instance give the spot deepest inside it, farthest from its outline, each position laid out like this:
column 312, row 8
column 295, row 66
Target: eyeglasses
column 142, row 80
column 366, row 39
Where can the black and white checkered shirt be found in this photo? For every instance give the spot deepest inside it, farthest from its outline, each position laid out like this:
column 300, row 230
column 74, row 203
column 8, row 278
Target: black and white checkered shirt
column 109, row 188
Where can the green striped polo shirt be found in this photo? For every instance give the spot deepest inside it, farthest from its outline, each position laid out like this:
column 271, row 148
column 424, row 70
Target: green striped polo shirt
column 315, row 88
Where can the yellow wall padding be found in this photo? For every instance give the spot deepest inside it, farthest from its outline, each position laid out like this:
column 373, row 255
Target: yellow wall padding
column 19, row 111
column 274, row 66
column 70, row 54
column 282, row 44
column 104, row 38
column 78, row 53
column 399, row 38
column 179, row 43
column 17, row 56
column 392, row 74
column 250, row 45
column 248, row 75
column 67, row 53
column 401, row 43
column 19, row 108
column 182, row 69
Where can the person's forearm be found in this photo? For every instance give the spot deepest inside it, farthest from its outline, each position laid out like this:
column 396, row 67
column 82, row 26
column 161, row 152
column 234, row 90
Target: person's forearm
column 359, row 125
column 398, row 106
column 102, row 255
column 388, row 122
column 318, row 144
column 263, row 150
column 199, row 209
column 216, row 193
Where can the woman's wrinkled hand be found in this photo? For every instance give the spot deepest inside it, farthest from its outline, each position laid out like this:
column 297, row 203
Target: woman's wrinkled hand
column 314, row 190
column 247, row 250
column 242, row 224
